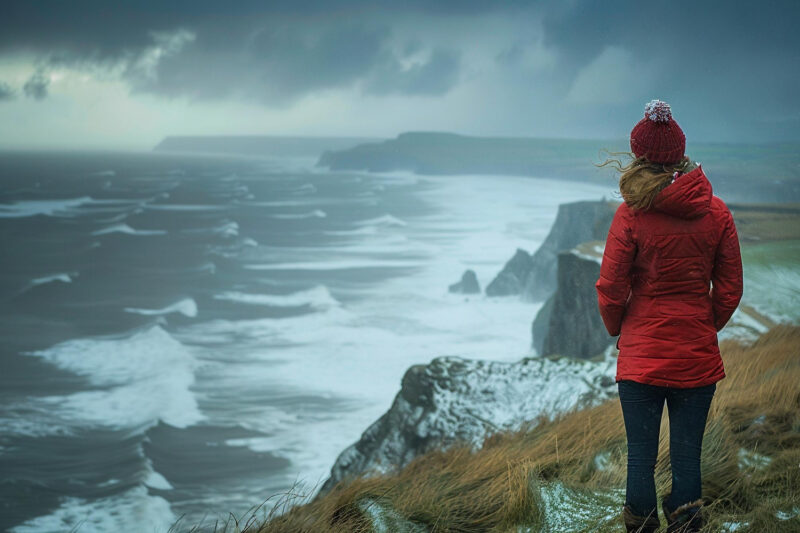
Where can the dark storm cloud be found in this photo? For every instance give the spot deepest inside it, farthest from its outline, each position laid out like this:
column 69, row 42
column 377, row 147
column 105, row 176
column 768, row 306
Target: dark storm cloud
column 733, row 62
column 683, row 39
column 274, row 53
column 36, row 86
column 511, row 55
column 274, row 64
column 6, row 92
column 434, row 76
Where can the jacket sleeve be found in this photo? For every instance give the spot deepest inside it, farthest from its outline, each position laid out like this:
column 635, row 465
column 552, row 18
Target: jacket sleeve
column 726, row 276
column 614, row 285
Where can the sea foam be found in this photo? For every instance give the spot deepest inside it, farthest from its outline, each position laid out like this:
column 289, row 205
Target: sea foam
column 124, row 228
column 133, row 508
column 316, row 213
column 318, row 297
column 384, row 220
column 139, row 379
column 29, row 208
column 185, row 306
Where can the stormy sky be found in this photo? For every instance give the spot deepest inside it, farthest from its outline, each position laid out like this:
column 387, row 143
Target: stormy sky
column 125, row 74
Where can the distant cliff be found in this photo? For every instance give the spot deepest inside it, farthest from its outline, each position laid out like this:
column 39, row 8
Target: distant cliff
column 569, row 323
column 453, row 399
column 258, row 145
column 450, row 153
column 739, row 172
column 534, row 276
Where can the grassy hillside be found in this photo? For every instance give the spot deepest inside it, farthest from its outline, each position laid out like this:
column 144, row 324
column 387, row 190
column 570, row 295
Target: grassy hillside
column 569, row 474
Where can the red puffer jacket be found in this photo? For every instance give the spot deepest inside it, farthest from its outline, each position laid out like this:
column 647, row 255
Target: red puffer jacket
column 654, row 289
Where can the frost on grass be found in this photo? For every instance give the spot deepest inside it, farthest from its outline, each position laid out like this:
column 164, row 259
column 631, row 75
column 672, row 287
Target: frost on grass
column 794, row 512
column 731, row 527
column 602, row 461
column 384, row 519
column 751, row 459
column 567, row 510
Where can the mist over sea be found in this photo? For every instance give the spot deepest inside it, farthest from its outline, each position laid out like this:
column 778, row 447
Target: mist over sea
column 189, row 335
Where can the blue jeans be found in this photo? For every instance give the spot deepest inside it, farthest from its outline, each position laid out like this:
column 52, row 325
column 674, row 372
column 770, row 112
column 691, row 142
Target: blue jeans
column 642, row 406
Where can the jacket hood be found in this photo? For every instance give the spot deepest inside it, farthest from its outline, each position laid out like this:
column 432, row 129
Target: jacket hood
column 689, row 196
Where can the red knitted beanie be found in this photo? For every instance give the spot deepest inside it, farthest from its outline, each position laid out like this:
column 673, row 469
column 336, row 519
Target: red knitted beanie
column 657, row 137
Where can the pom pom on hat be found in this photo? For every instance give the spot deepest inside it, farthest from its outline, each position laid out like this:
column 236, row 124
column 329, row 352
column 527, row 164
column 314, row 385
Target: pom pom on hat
column 658, row 111
column 657, row 137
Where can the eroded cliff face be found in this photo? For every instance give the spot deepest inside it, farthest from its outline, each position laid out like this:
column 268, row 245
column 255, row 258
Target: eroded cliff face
column 569, row 323
column 534, row 277
column 514, row 276
column 454, row 399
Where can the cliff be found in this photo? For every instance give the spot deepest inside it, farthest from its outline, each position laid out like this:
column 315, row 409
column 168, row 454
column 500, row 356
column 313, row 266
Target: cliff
column 569, row 323
column 450, row 153
column 534, row 277
column 514, row 276
column 454, row 400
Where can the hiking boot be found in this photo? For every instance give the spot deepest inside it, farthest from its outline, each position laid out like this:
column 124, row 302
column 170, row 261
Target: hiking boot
column 685, row 519
column 640, row 524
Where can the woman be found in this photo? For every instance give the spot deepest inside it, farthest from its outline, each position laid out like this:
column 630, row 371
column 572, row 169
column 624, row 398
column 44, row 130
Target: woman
column 670, row 279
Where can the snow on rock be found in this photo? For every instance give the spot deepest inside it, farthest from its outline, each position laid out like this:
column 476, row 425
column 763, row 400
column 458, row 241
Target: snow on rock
column 453, row 399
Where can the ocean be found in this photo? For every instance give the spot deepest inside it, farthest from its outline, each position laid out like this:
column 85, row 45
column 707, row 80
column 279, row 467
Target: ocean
column 186, row 336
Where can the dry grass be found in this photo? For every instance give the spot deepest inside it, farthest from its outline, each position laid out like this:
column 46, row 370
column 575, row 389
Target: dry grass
column 756, row 409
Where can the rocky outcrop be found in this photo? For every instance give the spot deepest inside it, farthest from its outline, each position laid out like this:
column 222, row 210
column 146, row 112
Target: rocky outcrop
column 534, row 277
column 467, row 285
column 514, row 276
column 460, row 400
column 569, row 323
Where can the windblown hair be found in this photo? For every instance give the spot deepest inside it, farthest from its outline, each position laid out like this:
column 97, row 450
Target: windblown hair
column 641, row 180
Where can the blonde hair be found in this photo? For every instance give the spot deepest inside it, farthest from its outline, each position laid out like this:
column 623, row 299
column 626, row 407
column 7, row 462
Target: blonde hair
column 641, row 180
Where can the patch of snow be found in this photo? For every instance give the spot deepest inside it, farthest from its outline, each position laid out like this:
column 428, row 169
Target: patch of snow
column 602, row 460
column 788, row 515
column 568, row 510
column 386, row 520
column 730, row 527
column 750, row 459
